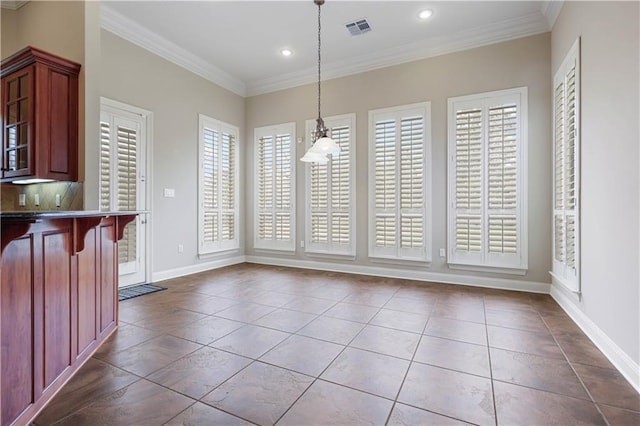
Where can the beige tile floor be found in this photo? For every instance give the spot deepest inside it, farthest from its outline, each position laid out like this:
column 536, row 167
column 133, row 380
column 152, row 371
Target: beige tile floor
column 253, row 344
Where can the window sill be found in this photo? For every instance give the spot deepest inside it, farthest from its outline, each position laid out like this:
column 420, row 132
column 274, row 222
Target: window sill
column 291, row 252
column 217, row 253
column 401, row 261
column 491, row 269
column 565, row 284
column 329, row 255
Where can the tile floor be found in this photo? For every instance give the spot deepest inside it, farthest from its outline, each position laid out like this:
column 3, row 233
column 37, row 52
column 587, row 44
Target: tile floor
column 262, row 345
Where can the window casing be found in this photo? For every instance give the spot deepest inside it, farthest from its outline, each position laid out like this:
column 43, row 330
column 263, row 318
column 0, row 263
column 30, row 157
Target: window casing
column 330, row 193
column 274, row 168
column 217, row 186
column 400, row 183
column 487, row 218
column 566, row 171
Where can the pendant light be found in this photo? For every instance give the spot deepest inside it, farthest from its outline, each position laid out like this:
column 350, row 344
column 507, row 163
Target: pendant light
column 323, row 145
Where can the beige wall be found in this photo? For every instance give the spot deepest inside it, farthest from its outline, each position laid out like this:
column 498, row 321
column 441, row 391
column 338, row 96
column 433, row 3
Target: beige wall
column 523, row 62
column 176, row 96
column 9, row 30
column 57, row 27
column 54, row 26
column 610, row 217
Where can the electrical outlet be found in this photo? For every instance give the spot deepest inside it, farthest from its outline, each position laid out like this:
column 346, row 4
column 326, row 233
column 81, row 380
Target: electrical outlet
column 36, row 199
column 169, row 192
column 180, row 248
column 57, row 200
column 22, row 200
column 442, row 252
column 302, row 243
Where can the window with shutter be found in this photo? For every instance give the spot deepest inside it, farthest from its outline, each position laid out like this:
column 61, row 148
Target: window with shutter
column 275, row 187
column 218, row 187
column 566, row 153
column 399, row 176
column 487, row 181
column 330, row 192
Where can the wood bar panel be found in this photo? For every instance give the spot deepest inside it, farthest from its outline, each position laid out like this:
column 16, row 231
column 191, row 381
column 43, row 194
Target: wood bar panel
column 17, row 327
column 108, row 277
column 87, row 292
column 58, row 303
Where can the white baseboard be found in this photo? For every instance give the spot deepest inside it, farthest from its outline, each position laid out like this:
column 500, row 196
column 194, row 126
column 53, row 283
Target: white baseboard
column 497, row 283
column 194, row 269
column 627, row 367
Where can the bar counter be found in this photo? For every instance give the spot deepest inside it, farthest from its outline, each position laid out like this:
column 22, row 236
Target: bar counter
column 58, row 301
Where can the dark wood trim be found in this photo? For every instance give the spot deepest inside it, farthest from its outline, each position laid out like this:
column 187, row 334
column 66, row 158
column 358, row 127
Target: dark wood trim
column 14, row 229
column 30, row 55
column 82, row 225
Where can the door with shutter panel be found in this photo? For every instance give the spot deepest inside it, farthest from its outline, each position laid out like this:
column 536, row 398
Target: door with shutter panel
column 122, row 183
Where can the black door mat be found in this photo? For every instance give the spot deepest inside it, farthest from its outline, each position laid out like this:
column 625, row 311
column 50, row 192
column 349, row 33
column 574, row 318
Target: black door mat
column 137, row 290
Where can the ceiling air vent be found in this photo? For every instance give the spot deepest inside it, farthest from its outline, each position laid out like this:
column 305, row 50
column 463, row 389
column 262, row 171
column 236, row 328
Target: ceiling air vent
column 358, row 27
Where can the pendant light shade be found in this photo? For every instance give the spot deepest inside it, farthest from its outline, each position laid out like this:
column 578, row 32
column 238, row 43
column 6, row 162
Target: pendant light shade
column 322, row 145
column 314, row 157
column 325, row 146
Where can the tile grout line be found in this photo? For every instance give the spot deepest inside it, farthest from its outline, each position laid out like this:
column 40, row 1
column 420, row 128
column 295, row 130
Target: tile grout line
column 406, row 373
column 330, row 363
column 411, row 362
column 491, row 381
column 593, row 401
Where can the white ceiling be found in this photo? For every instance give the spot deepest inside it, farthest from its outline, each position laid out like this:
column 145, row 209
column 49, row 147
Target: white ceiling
column 236, row 44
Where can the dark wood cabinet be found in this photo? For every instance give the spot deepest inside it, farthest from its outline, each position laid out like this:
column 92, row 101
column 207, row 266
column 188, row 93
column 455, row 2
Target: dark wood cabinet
column 39, row 117
column 58, row 304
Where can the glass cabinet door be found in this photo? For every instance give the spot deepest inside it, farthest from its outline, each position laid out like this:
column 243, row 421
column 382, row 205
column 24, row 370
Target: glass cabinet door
column 17, row 106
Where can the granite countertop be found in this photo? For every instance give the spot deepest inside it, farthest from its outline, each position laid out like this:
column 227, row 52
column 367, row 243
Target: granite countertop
column 61, row 214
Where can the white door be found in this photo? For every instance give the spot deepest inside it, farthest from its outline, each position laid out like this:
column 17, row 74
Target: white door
column 123, row 171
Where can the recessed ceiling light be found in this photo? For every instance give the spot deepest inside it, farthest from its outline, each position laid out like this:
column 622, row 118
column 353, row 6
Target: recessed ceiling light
column 286, row 52
column 425, row 14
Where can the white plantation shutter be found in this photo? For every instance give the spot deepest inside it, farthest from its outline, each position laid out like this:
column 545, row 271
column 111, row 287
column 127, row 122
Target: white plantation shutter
column 274, row 177
column 119, row 139
column 218, row 212
column 411, row 183
column 502, row 188
column 487, row 180
column 126, row 188
column 399, row 162
column 468, row 181
column 330, row 192
column 566, row 115
column 105, row 165
column 209, row 182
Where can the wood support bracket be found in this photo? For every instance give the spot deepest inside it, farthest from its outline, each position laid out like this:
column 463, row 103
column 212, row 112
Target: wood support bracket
column 123, row 221
column 12, row 230
column 81, row 226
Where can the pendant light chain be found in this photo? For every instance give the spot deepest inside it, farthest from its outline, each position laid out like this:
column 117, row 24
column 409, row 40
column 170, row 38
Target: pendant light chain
column 319, row 56
column 321, row 144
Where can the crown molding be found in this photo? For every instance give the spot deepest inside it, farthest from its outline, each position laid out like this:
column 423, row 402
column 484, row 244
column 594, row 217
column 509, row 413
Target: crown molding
column 551, row 9
column 511, row 29
column 527, row 25
column 130, row 30
column 13, row 4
